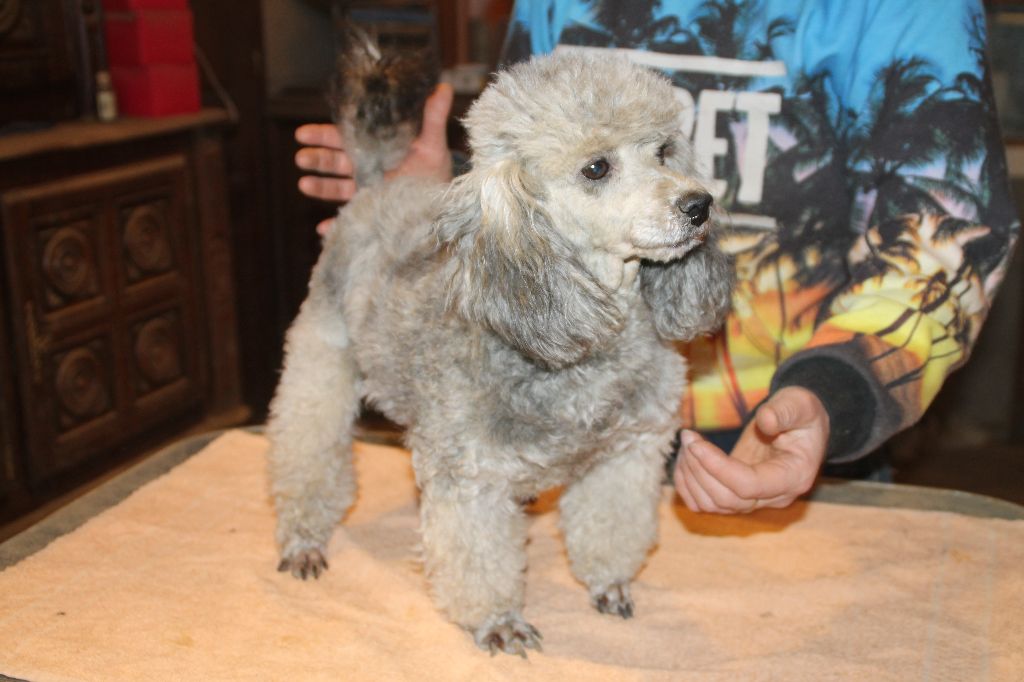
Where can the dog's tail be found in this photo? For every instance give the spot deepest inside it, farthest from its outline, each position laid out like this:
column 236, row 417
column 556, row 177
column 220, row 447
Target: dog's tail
column 377, row 100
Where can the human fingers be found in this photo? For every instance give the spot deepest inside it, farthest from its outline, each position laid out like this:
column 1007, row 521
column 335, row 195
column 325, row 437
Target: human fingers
column 434, row 132
column 679, row 475
column 324, row 226
column 723, row 500
column 763, row 480
column 319, row 135
column 728, row 501
column 429, row 155
column 678, row 479
column 702, row 502
column 324, row 160
column 705, row 493
column 788, row 409
column 327, row 188
column 730, row 481
column 775, row 481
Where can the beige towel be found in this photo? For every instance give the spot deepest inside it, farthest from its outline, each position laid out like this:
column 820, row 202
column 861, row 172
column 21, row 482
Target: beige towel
column 178, row 582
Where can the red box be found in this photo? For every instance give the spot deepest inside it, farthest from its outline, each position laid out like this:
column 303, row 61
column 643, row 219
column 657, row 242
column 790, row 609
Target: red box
column 135, row 5
column 156, row 89
column 149, row 37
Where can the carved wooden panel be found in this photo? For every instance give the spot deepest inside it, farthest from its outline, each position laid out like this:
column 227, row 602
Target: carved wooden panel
column 158, row 353
column 101, row 267
column 70, row 248
column 147, row 240
column 82, row 380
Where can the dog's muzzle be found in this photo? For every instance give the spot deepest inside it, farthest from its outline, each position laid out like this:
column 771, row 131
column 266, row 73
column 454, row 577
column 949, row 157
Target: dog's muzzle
column 696, row 206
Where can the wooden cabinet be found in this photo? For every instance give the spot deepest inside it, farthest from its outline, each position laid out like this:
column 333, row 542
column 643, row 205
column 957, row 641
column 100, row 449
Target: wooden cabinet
column 118, row 294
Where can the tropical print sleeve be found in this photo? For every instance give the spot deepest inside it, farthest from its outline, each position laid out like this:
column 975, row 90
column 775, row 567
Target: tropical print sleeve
column 934, row 228
column 854, row 155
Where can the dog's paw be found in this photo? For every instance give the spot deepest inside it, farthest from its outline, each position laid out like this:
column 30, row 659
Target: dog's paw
column 304, row 564
column 614, row 600
column 509, row 633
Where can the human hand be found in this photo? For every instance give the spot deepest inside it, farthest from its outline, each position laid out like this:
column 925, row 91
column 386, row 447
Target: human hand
column 324, row 153
column 776, row 459
column 429, row 155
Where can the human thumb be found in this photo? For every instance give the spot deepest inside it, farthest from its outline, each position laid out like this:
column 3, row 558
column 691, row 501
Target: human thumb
column 787, row 409
column 435, row 116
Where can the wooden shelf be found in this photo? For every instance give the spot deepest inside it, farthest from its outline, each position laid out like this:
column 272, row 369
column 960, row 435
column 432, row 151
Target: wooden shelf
column 74, row 135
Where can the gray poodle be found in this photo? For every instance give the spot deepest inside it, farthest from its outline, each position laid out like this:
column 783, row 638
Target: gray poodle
column 519, row 322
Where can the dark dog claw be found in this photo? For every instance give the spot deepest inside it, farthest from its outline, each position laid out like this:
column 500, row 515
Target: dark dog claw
column 304, row 564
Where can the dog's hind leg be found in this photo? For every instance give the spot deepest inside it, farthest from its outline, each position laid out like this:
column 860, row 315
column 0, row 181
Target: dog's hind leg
column 310, row 426
column 474, row 552
column 610, row 521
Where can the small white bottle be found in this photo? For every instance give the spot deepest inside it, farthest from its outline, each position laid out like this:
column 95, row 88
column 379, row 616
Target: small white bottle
column 106, row 98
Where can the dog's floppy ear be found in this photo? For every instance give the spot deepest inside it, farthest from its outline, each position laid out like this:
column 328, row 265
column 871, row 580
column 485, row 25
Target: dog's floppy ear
column 691, row 295
column 511, row 271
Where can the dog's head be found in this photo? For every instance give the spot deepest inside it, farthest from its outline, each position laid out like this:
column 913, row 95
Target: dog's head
column 580, row 173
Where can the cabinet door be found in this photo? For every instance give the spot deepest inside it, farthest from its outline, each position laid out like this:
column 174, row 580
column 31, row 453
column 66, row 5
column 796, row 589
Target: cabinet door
column 101, row 270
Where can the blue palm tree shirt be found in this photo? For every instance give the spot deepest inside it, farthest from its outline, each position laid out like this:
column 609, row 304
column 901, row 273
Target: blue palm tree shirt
column 854, row 149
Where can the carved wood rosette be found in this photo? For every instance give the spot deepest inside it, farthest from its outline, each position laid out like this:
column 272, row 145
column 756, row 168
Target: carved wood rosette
column 83, row 383
column 69, row 267
column 158, row 351
column 103, row 267
column 146, row 238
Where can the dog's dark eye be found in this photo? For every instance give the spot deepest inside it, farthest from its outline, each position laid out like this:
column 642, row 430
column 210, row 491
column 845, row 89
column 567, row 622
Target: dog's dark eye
column 595, row 170
column 664, row 151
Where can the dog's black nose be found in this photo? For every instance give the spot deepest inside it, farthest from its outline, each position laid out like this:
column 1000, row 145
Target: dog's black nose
column 696, row 206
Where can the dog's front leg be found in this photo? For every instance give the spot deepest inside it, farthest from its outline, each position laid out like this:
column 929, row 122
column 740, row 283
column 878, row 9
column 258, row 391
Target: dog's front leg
column 310, row 426
column 474, row 551
column 610, row 521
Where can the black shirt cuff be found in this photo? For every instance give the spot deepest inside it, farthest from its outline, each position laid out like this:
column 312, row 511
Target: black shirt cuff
column 844, row 393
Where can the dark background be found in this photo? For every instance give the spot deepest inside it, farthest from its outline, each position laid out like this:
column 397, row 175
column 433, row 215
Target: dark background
column 268, row 62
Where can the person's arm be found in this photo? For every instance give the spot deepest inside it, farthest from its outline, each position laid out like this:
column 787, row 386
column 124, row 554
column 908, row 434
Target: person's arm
column 939, row 231
column 938, row 227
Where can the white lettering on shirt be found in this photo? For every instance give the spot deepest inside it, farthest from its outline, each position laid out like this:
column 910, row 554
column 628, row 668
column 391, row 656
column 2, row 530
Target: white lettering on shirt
column 706, row 144
column 758, row 106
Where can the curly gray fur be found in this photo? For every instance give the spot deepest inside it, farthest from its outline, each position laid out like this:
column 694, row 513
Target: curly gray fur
column 519, row 322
